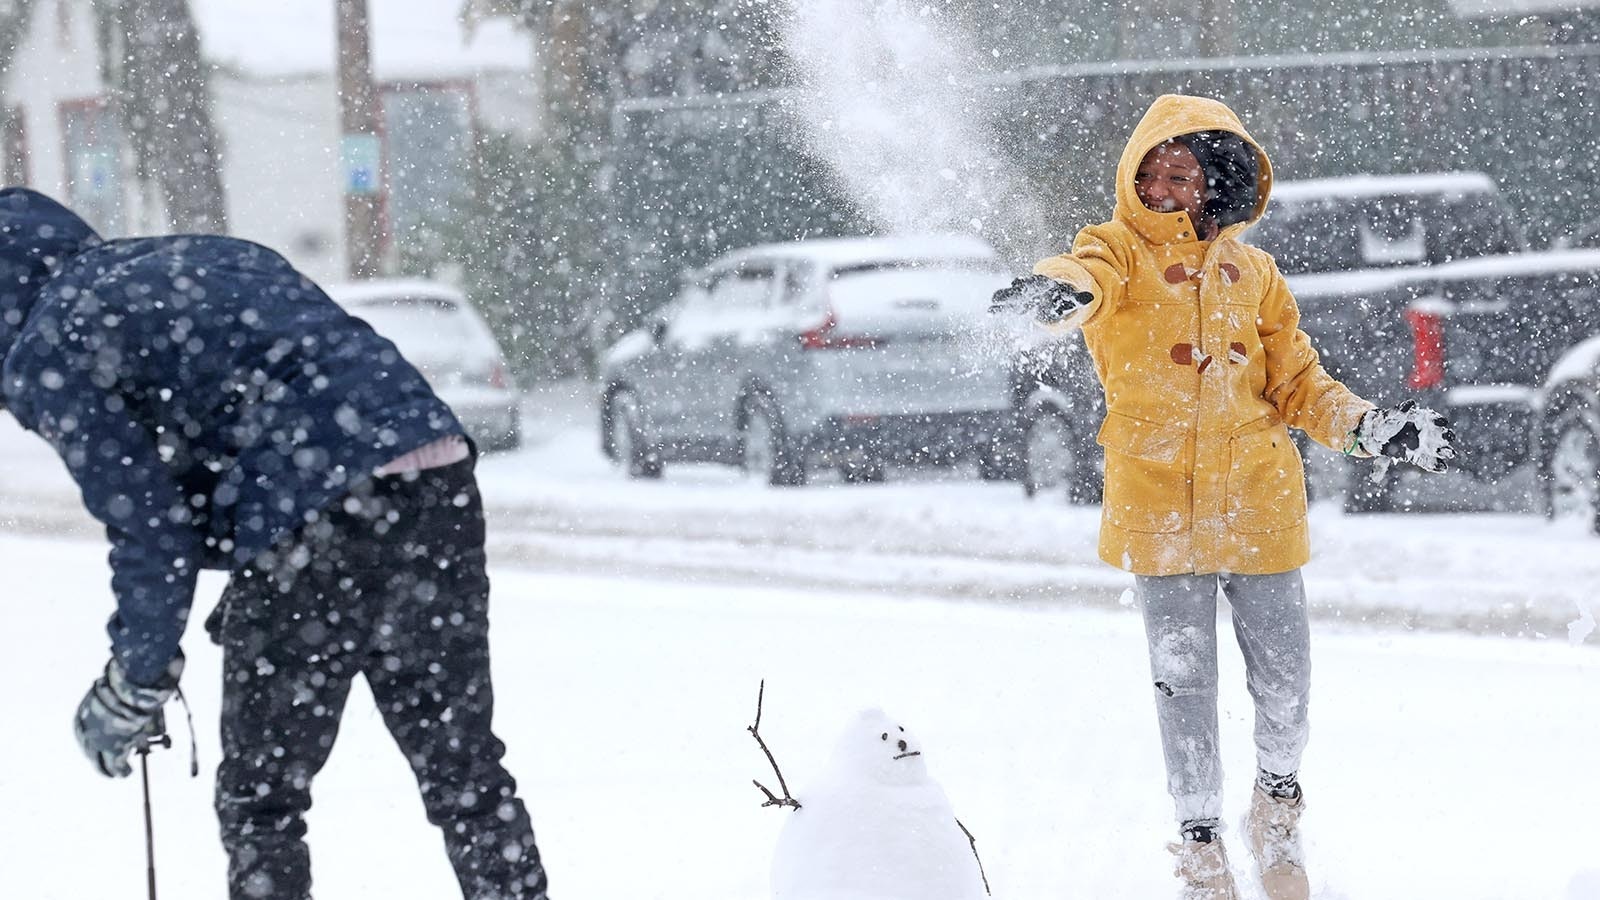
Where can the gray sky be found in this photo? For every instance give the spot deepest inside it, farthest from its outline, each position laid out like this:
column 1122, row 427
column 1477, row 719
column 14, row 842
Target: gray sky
column 409, row 37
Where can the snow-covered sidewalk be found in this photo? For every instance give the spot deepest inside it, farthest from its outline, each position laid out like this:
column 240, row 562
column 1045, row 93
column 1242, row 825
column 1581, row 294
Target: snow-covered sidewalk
column 1448, row 767
column 557, row 505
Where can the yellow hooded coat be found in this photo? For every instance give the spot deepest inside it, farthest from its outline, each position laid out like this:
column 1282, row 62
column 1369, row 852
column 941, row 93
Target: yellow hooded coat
column 1198, row 347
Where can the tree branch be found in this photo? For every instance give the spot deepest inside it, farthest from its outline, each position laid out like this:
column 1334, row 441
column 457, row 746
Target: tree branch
column 974, row 842
column 772, row 799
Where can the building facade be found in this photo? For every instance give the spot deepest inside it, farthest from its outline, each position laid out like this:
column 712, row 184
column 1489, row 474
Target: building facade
column 280, row 140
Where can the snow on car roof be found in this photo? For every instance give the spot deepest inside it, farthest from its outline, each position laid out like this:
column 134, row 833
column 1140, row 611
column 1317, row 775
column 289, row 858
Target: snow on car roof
column 1381, row 185
column 836, row 252
column 358, row 292
column 1353, row 282
column 1509, row 265
column 1581, row 361
column 410, row 38
column 1512, row 264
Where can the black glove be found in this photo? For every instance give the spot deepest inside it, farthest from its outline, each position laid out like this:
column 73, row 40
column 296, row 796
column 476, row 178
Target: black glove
column 1415, row 434
column 1041, row 297
column 117, row 716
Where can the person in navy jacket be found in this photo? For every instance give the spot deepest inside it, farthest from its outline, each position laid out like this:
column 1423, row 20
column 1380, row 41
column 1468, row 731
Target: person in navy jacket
column 218, row 410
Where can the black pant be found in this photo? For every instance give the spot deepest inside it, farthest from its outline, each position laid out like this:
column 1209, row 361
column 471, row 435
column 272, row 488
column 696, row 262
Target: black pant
column 389, row 584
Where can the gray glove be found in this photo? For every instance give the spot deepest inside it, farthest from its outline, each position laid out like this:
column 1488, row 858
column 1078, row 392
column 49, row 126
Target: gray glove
column 117, row 717
column 1415, row 434
column 1041, row 297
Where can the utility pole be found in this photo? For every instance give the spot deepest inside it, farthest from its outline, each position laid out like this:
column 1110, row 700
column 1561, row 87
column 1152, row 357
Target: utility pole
column 359, row 149
column 1218, row 35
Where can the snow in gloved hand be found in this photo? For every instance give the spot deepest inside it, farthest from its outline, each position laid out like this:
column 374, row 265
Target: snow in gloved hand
column 1413, row 433
column 1039, row 296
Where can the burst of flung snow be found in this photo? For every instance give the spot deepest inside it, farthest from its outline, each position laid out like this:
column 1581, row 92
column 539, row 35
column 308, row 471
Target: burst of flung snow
column 874, row 78
column 875, row 826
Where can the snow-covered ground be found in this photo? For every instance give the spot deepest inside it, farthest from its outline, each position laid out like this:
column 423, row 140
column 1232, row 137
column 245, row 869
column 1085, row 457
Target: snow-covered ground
column 1441, row 766
column 633, row 623
column 557, row 505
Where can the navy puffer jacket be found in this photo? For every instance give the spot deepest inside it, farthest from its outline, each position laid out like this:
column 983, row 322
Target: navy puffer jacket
column 207, row 398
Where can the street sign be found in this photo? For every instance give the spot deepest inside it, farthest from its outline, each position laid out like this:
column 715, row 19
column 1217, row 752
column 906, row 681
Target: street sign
column 359, row 158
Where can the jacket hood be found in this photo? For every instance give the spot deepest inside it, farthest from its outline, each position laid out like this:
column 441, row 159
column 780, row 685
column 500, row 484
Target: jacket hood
column 37, row 237
column 1172, row 116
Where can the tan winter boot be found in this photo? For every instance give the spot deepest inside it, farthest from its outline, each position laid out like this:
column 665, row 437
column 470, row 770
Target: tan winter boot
column 1271, row 830
column 1203, row 866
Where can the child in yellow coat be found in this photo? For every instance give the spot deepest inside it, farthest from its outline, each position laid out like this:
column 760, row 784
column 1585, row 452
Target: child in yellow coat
column 1195, row 338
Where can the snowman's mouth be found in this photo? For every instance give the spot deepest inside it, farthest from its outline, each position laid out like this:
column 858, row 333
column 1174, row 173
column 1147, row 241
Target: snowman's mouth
column 909, row 753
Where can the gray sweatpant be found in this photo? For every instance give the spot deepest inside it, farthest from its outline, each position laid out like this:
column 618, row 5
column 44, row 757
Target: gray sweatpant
column 1180, row 623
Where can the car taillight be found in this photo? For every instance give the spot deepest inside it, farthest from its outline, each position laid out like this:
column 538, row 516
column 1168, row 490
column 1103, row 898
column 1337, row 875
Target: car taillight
column 823, row 338
column 497, row 376
column 1427, row 334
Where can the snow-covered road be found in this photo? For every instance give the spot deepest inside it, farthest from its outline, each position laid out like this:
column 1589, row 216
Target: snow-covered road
column 557, row 505
column 1440, row 766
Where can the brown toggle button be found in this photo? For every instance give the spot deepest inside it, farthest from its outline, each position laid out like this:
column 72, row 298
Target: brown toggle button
column 1183, row 354
column 1175, row 274
column 1230, row 273
column 1206, row 361
column 1237, row 349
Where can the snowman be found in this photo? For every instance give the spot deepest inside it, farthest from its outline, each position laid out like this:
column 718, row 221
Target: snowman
column 875, row 826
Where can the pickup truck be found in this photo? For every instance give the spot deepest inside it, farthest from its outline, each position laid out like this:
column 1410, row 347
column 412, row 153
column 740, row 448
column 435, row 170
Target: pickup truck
column 1474, row 339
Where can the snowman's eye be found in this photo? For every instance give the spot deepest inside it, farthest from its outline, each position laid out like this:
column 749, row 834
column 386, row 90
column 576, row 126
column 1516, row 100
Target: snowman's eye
column 886, row 735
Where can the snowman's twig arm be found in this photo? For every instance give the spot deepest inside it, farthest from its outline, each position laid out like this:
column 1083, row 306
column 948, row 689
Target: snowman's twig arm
column 974, row 842
column 772, row 799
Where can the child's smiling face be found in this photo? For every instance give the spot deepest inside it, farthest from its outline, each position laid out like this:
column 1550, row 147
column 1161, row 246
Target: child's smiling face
column 1169, row 179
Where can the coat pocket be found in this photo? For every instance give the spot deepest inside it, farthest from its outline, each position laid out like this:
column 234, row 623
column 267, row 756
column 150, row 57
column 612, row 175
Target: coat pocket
column 1148, row 487
column 1266, row 484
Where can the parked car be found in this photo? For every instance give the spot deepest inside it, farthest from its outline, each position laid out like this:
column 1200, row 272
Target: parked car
column 1474, row 338
column 1369, row 259
column 1586, row 234
column 1059, row 409
column 1567, row 435
column 440, row 332
column 787, row 358
column 1357, row 222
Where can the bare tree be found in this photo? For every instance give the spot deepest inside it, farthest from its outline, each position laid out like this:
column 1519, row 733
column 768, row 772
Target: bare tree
column 595, row 54
column 150, row 56
column 13, row 22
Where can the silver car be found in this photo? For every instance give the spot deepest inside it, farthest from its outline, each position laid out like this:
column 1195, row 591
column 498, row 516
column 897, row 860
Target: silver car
column 1566, row 436
column 851, row 353
column 440, row 333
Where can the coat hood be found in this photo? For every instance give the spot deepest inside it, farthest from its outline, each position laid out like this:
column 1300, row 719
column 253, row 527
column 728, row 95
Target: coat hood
column 1172, row 116
column 37, row 237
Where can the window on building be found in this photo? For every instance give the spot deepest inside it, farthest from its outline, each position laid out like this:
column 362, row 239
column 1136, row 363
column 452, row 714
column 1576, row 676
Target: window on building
column 428, row 135
column 92, row 151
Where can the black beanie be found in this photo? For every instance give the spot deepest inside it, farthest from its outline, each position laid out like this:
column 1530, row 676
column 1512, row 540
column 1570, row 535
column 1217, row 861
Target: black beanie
column 1231, row 168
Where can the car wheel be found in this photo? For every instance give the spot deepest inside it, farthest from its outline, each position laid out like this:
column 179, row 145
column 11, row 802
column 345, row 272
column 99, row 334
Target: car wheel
column 512, row 439
column 1572, row 481
column 862, row 470
column 1000, row 458
column 1051, row 458
column 628, row 445
column 766, row 450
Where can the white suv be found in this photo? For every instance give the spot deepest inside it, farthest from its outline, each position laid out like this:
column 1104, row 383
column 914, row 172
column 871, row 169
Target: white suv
column 785, row 358
column 437, row 330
